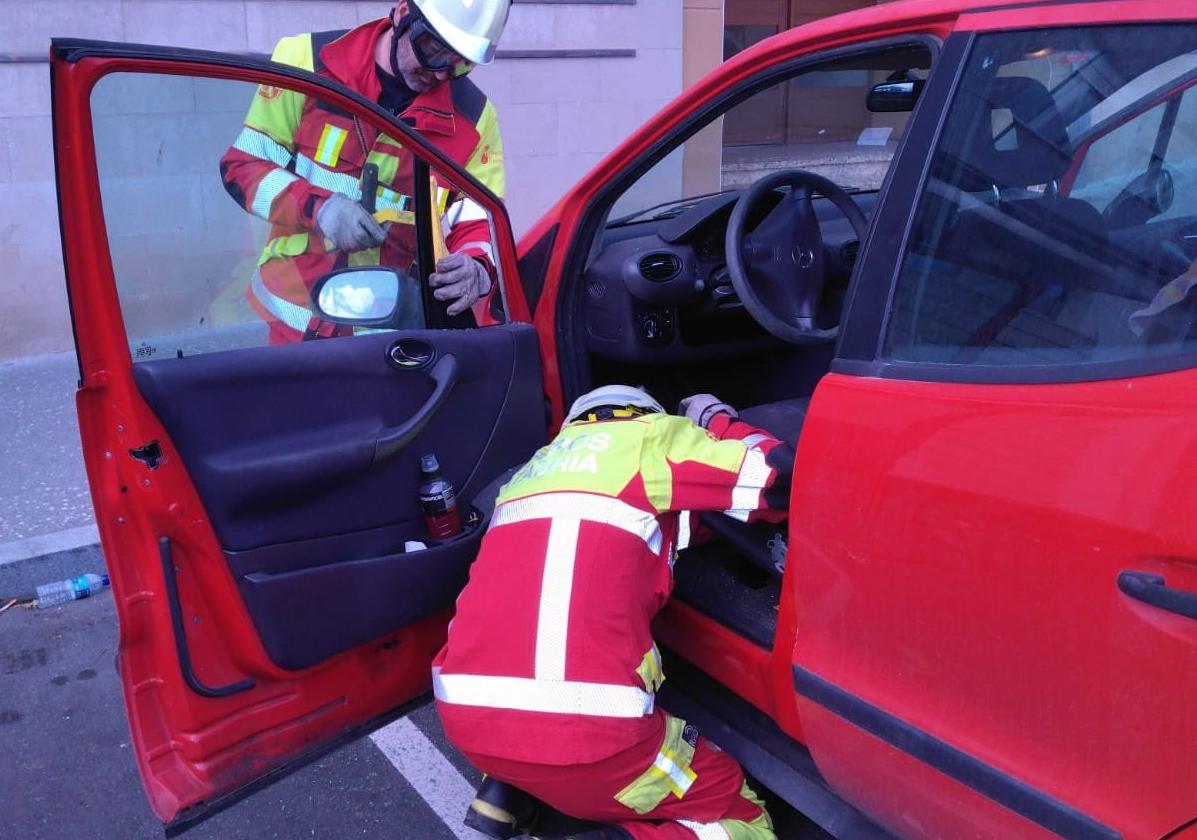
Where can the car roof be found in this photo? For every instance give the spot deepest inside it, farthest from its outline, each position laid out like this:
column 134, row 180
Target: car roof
column 886, row 17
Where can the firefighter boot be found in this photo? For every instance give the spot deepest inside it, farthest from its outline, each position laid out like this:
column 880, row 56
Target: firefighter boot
column 500, row 810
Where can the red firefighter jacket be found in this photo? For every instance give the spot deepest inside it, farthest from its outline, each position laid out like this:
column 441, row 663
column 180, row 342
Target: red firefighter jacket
column 549, row 657
column 295, row 151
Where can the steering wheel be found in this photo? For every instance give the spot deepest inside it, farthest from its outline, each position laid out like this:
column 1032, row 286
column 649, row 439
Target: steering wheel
column 777, row 269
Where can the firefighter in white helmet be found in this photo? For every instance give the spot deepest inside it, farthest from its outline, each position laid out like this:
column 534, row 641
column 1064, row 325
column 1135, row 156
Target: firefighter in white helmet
column 548, row 679
column 298, row 162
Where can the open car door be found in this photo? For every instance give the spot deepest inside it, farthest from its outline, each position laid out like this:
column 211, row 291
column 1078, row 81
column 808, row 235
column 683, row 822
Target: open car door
column 254, row 501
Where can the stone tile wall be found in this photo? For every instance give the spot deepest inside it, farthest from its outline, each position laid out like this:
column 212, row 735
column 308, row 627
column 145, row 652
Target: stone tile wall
column 559, row 117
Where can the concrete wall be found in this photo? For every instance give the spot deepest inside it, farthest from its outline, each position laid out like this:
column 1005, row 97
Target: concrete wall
column 559, row 117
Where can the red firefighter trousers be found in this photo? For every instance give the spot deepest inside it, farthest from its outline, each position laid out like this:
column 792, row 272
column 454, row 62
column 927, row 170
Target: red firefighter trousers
column 717, row 795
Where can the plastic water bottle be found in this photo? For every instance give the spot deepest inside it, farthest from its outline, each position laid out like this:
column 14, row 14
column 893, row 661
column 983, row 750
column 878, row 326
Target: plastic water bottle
column 59, row 592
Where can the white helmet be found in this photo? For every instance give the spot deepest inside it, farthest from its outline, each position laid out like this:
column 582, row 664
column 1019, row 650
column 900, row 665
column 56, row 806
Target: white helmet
column 471, row 27
column 617, row 396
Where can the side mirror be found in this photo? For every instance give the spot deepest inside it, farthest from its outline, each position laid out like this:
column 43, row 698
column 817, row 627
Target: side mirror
column 369, row 296
column 891, row 97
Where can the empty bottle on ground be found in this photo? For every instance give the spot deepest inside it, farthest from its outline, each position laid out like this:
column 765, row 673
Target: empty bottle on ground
column 59, row 592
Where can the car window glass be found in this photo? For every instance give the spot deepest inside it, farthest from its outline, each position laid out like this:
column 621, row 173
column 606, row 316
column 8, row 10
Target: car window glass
column 1180, row 156
column 1058, row 223
column 816, row 120
column 1116, row 159
column 208, row 209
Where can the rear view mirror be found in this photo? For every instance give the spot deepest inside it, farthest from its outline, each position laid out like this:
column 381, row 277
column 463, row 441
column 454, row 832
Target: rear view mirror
column 369, row 296
column 890, row 97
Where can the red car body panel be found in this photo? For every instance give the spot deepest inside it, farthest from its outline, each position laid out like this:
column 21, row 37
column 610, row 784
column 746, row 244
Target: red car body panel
column 964, row 533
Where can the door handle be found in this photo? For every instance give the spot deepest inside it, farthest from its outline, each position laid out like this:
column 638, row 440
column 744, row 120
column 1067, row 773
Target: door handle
column 1150, row 589
column 392, row 441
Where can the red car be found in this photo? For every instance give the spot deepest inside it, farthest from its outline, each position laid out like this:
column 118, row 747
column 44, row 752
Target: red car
column 959, row 281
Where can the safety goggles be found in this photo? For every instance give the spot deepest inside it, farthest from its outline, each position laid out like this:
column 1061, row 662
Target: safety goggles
column 433, row 53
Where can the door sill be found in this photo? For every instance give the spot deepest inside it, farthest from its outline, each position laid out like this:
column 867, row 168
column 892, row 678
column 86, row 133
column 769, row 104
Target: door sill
column 780, row 763
column 714, row 580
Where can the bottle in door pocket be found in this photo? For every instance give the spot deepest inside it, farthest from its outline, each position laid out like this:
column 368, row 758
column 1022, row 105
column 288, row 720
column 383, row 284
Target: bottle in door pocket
column 438, row 501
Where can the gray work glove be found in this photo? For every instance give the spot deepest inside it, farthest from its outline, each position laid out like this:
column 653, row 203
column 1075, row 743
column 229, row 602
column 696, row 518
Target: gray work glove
column 700, row 409
column 348, row 224
column 461, row 279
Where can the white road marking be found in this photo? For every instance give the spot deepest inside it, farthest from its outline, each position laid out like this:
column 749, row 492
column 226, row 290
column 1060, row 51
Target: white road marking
column 17, row 550
column 427, row 770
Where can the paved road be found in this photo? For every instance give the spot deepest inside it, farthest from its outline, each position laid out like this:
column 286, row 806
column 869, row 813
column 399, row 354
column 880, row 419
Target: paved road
column 43, row 489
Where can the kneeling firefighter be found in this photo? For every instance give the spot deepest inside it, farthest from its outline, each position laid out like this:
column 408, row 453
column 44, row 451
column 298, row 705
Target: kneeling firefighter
column 548, row 679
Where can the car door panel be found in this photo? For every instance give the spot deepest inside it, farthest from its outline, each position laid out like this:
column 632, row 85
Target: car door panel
column 252, row 515
column 312, row 540
column 274, row 465
column 966, row 543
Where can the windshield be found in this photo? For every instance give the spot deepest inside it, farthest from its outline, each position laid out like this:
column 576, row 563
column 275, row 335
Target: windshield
column 816, row 120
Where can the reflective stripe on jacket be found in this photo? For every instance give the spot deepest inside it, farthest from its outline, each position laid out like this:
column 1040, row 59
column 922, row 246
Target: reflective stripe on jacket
column 549, row 657
column 295, row 151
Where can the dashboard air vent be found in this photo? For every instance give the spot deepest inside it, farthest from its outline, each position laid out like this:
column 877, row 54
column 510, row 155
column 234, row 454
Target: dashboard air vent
column 849, row 251
column 660, row 267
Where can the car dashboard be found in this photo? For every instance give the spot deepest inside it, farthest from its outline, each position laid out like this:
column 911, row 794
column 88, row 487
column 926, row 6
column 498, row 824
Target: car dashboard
column 658, row 291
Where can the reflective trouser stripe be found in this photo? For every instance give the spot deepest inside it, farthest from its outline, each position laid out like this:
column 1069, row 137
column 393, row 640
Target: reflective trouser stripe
column 679, row 777
column 261, row 145
column 746, row 495
column 670, row 772
column 706, row 831
column 605, row 510
column 294, row 316
column 268, row 189
column 548, row 696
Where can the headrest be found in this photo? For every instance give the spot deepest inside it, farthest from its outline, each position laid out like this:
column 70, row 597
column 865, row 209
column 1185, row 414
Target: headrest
column 1031, row 146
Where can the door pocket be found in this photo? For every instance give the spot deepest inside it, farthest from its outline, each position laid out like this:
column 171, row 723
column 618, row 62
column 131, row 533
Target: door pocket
column 308, row 615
